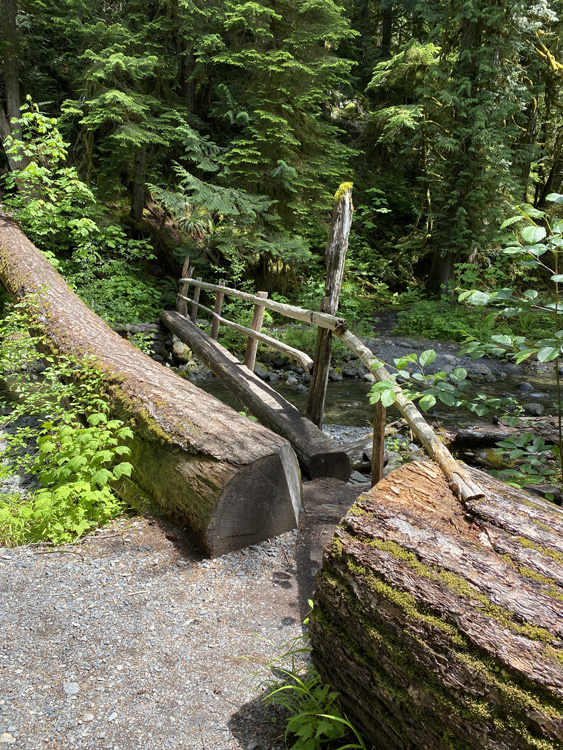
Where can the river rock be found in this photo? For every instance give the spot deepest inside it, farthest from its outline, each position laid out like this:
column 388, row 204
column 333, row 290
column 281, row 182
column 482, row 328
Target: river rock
column 260, row 370
column 181, row 351
column 291, row 379
column 526, row 387
column 335, row 375
column 302, row 388
column 533, row 409
column 350, row 372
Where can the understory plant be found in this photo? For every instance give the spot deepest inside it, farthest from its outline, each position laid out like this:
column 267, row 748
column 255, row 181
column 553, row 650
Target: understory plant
column 57, row 429
column 314, row 715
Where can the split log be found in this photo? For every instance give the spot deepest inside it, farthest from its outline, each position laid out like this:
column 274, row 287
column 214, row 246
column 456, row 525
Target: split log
column 318, row 455
column 233, row 481
column 441, row 623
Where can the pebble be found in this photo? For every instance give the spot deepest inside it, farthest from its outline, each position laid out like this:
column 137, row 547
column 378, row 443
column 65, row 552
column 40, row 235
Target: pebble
column 7, row 739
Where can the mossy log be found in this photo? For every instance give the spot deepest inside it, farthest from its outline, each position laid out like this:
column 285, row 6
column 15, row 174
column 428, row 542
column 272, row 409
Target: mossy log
column 441, row 622
column 233, row 481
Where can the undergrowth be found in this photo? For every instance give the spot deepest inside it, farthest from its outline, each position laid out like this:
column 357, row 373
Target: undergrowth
column 314, row 716
column 57, row 428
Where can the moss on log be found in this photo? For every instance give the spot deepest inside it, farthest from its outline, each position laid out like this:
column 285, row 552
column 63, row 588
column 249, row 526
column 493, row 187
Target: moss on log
column 441, row 623
column 233, row 481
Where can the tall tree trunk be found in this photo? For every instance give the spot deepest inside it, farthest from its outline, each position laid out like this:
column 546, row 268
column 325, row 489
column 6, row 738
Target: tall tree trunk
column 386, row 31
column 138, row 192
column 555, row 176
column 11, row 78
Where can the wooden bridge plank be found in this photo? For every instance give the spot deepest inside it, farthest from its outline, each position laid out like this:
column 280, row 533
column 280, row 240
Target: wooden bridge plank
column 317, row 454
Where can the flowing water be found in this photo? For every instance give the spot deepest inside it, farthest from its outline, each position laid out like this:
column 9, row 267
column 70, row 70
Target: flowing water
column 347, row 402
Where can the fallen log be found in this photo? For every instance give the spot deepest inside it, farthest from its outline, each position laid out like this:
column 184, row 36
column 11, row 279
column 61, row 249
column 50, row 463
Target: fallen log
column 440, row 622
column 486, row 434
column 318, row 455
column 233, row 481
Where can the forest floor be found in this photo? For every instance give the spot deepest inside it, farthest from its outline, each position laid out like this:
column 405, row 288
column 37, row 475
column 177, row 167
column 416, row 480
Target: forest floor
column 133, row 639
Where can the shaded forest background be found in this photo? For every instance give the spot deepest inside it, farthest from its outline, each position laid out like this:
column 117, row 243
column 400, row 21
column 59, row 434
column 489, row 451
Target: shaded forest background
column 221, row 129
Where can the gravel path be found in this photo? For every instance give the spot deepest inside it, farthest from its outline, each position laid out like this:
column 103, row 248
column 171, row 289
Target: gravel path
column 134, row 640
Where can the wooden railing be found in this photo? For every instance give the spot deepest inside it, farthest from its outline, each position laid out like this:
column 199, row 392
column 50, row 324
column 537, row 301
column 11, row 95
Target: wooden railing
column 254, row 334
column 327, row 323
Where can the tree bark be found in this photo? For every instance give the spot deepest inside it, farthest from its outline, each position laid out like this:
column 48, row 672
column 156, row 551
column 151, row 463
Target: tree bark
column 441, row 623
column 138, row 185
column 233, row 481
column 318, row 455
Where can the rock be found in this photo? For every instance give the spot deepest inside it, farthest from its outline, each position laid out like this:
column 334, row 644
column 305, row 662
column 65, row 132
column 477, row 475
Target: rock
column 306, row 377
column 291, row 380
column 302, row 388
column 7, row 739
column 369, row 377
column 357, row 478
column 533, row 409
column 335, row 375
column 261, row 370
column 478, row 370
column 181, row 351
column 71, row 688
column 350, row 372
column 280, row 360
column 526, row 387
column 272, row 377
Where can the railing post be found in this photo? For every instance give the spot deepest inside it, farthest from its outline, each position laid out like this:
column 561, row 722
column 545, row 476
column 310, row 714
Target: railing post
column 335, row 258
column 217, row 309
column 378, row 448
column 197, row 291
column 256, row 325
column 181, row 304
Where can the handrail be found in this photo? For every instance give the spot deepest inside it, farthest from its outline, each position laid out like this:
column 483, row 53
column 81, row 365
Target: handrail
column 322, row 320
column 296, row 354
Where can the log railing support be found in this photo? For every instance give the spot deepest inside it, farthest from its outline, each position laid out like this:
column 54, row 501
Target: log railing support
column 181, row 304
column 335, row 258
column 378, row 450
column 256, row 325
column 217, row 309
column 197, row 292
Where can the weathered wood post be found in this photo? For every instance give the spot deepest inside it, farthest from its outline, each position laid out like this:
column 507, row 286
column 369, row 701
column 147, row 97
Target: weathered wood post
column 181, row 304
column 217, row 309
column 378, row 448
column 335, row 258
column 197, row 292
column 256, row 325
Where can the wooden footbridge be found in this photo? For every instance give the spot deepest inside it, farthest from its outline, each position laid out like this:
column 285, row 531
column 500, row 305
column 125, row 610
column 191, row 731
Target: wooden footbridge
column 234, row 482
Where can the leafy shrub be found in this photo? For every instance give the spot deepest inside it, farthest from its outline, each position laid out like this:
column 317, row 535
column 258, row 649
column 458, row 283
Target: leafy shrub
column 443, row 321
column 73, row 448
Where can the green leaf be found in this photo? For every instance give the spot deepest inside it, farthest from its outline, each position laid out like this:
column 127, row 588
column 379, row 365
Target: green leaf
column 101, row 477
column 555, row 198
column 123, row 469
column 557, row 277
column 427, row 357
column 388, row 398
column 511, row 221
column 532, row 235
column 547, row 353
column 427, row 402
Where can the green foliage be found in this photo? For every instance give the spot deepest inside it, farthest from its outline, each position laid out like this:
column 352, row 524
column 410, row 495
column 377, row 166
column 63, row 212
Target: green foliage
column 534, row 460
column 315, row 719
column 61, row 215
column 72, row 447
column 441, row 320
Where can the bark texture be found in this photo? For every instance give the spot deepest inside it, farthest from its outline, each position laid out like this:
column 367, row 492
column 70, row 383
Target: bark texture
column 233, row 481
column 441, row 622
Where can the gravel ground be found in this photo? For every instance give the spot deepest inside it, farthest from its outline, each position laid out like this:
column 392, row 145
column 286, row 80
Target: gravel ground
column 134, row 640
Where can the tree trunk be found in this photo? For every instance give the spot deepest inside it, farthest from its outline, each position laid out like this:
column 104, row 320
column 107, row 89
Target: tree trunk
column 138, row 186
column 233, row 481
column 441, row 623
column 318, row 455
column 10, row 35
